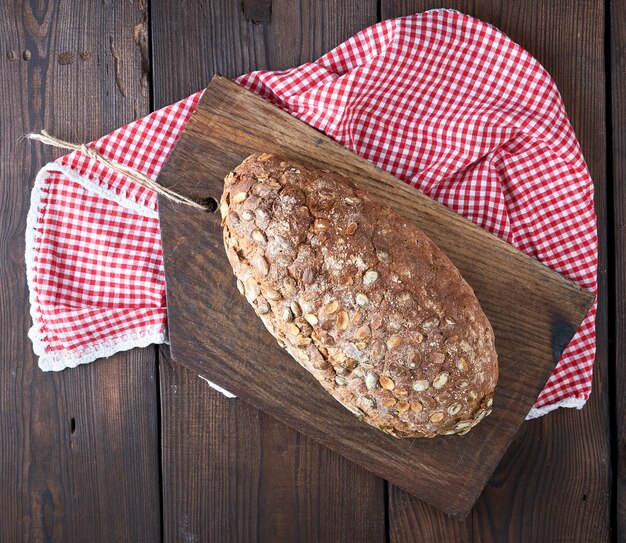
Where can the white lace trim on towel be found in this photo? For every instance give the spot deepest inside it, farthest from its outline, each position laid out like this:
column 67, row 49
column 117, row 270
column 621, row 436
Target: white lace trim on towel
column 98, row 189
column 59, row 360
column 535, row 412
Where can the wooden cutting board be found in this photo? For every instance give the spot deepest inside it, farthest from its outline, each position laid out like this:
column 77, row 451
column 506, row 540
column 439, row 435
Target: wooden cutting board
column 533, row 310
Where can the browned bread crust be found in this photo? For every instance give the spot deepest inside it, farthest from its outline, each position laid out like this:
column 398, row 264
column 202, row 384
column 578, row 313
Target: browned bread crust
column 360, row 297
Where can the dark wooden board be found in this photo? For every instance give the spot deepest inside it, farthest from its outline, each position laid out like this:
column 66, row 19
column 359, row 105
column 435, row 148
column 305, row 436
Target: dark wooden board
column 409, row 516
column 79, row 449
column 231, row 472
column 214, row 332
column 552, row 484
column 618, row 267
column 269, row 482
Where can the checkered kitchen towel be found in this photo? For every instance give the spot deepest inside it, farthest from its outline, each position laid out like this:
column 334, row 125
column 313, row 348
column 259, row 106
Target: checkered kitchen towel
column 440, row 100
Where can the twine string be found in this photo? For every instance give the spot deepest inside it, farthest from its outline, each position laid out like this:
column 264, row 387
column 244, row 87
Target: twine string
column 129, row 172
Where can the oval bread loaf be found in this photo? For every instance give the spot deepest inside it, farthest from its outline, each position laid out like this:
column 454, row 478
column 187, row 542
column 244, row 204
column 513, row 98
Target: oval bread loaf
column 360, row 297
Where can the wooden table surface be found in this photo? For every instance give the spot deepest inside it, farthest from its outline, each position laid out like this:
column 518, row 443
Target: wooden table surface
column 135, row 448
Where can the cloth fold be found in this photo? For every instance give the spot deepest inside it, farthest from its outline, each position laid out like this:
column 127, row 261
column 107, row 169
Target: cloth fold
column 445, row 102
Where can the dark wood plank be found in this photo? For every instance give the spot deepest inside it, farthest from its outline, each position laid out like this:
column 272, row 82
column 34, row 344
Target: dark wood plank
column 79, row 457
column 230, row 472
column 410, row 516
column 618, row 72
column 230, row 123
column 553, row 482
column 229, row 38
column 407, row 514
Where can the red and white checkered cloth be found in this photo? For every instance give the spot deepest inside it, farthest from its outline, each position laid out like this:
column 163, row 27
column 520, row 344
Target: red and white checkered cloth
column 440, row 100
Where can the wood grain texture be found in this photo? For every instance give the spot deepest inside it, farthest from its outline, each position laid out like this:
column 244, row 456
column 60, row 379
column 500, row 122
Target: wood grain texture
column 553, row 483
column 230, row 472
column 618, row 92
column 79, row 448
column 235, row 474
column 94, row 484
column 230, row 123
column 411, row 519
column 228, row 37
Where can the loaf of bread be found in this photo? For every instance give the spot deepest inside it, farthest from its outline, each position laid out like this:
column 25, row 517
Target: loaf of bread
column 360, row 297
